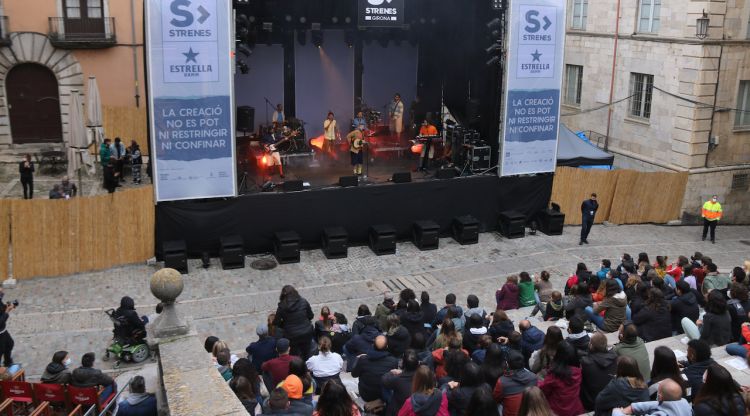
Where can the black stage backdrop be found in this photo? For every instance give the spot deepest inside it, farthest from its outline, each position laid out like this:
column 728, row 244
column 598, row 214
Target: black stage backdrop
column 256, row 217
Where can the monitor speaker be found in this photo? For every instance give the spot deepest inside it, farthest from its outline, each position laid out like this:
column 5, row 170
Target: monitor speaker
column 245, row 118
column 348, row 181
column 401, row 177
column 291, row 186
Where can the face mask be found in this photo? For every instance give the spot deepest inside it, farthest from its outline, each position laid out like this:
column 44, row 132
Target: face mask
column 67, row 362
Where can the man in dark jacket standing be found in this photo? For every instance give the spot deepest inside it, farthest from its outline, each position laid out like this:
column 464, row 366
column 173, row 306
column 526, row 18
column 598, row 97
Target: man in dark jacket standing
column 399, row 382
column 371, row 367
column 684, row 305
column 138, row 402
column 26, row 170
column 588, row 211
column 597, row 368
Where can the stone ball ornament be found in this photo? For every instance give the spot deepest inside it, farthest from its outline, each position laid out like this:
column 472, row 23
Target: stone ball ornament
column 167, row 284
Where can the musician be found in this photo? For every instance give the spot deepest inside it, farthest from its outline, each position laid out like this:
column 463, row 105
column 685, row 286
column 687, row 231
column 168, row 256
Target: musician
column 270, row 140
column 359, row 122
column 278, row 116
column 356, row 141
column 429, row 131
column 330, row 132
column 396, row 113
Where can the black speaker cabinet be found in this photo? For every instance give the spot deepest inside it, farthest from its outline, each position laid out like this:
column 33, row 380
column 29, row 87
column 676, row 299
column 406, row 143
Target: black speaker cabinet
column 293, row 186
column 286, row 247
column 348, row 181
column 175, row 255
column 245, row 118
column 465, row 230
column 401, row 177
column 550, row 221
column 334, row 242
column 446, row 173
column 425, row 235
column 511, row 224
column 383, row 239
column 232, row 252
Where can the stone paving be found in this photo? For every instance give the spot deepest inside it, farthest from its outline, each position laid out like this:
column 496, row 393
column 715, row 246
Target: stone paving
column 68, row 312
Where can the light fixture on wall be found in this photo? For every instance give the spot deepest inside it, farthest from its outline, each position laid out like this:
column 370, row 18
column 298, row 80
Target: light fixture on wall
column 701, row 26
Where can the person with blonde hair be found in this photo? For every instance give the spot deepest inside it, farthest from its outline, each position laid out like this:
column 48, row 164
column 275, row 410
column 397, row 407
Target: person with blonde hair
column 534, row 403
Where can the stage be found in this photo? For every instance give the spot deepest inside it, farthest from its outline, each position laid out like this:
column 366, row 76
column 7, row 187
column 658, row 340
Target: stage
column 256, row 217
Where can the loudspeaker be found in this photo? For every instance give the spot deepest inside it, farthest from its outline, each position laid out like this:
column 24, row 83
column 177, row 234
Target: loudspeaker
column 425, row 235
column 232, row 252
column 473, row 108
column 348, row 181
column 175, row 255
column 245, row 118
column 465, row 229
column 551, row 221
column 286, row 246
column 383, row 239
column 512, row 224
column 401, row 177
column 446, row 173
column 334, row 242
column 291, row 186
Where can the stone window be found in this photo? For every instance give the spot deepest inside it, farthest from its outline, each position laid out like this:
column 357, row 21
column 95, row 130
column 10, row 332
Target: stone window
column 648, row 16
column 742, row 117
column 573, row 81
column 740, row 181
column 580, row 10
column 641, row 87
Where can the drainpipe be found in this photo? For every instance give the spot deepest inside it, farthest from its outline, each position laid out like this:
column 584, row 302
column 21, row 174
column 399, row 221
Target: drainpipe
column 135, row 53
column 713, row 109
column 612, row 80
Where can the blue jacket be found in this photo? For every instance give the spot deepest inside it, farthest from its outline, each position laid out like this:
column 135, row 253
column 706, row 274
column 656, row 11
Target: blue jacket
column 138, row 405
column 532, row 339
column 602, row 273
column 588, row 209
column 261, row 351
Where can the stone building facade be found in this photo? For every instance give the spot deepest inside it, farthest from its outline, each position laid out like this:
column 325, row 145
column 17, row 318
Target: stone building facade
column 678, row 102
column 49, row 48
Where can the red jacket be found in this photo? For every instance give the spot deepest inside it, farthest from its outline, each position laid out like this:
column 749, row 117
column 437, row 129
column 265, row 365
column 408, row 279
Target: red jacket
column 746, row 335
column 563, row 395
column 442, row 410
column 437, row 358
column 507, row 297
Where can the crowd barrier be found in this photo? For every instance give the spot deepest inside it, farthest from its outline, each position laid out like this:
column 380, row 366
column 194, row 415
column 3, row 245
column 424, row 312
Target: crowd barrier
column 60, row 237
column 625, row 196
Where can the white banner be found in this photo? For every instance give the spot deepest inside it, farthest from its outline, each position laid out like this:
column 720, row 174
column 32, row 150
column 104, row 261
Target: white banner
column 188, row 44
column 533, row 78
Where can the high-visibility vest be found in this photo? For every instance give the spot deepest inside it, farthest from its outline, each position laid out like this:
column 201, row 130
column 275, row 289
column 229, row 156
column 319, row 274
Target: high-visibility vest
column 711, row 211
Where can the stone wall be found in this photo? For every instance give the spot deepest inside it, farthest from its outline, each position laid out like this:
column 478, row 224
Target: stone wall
column 735, row 202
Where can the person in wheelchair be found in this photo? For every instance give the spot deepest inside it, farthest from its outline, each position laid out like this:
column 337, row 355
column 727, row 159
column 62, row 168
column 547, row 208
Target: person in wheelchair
column 129, row 327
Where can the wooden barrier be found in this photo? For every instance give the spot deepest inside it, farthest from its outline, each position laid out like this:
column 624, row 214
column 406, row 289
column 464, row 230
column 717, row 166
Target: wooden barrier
column 60, row 237
column 128, row 123
column 625, row 196
column 4, row 236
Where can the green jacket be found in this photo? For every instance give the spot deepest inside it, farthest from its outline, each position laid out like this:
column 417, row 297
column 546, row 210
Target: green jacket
column 715, row 281
column 526, row 293
column 637, row 351
column 104, row 154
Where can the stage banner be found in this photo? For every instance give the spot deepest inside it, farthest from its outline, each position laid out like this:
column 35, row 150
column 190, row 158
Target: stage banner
column 533, row 77
column 190, row 87
column 381, row 13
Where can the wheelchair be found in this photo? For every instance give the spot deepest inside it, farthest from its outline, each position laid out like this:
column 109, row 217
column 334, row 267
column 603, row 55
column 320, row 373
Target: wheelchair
column 126, row 347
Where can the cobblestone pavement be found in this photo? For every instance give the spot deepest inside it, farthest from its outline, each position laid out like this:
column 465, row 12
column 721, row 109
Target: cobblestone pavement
column 68, row 312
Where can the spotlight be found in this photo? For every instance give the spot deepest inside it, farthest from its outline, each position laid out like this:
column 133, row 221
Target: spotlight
column 494, row 60
column 335, row 20
column 244, row 49
column 317, row 38
column 288, row 18
column 243, row 67
column 347, row 20
column 494, row 48
column 303, row 20
column 302, row 37
column 349, row 38
column 241, row 2
column 496, row 4
column 494, row 24
column 268, row 26
column 315, row 26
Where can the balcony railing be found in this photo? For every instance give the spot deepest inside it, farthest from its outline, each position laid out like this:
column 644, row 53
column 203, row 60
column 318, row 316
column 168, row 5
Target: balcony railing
column 66, row 32
column 4, row 33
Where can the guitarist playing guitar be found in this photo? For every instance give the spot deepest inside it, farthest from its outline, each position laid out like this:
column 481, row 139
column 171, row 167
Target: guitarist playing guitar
column 271, row 142
column 356, row 141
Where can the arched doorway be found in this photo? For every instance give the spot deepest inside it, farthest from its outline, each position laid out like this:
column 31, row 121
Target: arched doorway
column 33, row 104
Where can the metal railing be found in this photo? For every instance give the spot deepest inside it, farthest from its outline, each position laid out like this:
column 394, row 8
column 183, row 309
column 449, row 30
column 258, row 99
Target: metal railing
column 596, row 138
column 92, row 409
column 82, row 32
column 4, row 32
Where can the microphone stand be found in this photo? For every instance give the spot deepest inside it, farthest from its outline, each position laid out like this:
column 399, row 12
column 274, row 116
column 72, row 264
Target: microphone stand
column 268, row 103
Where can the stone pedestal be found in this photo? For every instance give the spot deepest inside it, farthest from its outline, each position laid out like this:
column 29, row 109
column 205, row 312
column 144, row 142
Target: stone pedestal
column 167, row 285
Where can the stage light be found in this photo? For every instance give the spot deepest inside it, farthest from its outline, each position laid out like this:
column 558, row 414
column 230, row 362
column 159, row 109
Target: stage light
column 496, row 4
column 335, row 20
column 422, row 20
column 347, row 20
column 317, row 35
column 288, row 18
column 251, row 19
column 494, row 60
column 315, row 26
column 303, row 19
column 494, row 48
column 241, row 2
column 349, row 38
column 244, row 49
column 302, row 37
column 494, row 24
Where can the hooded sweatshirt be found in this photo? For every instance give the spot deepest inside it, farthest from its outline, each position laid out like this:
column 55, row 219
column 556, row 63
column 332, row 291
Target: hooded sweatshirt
column 681, row 307
column 138, row 404
column 614, row 308
column 618, row 393
column 636, row 350
column 435, row 404
column 526, row 293
column 509, row 389
column 597, row 369
column 507, row 297
column 563, row 395
column 56, row 374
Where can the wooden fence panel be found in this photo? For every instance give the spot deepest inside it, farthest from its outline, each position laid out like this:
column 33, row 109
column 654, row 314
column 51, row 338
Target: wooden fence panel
column 4, row 237
column 572, row 185
column 60, row 237
column 643, row 197
column 128, row 123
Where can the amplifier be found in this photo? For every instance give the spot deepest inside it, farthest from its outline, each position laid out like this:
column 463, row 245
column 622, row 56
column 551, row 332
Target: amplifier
column 480, row 158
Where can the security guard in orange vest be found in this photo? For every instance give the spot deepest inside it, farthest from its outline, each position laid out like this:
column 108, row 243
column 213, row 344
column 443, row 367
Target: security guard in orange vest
column 711, row 214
